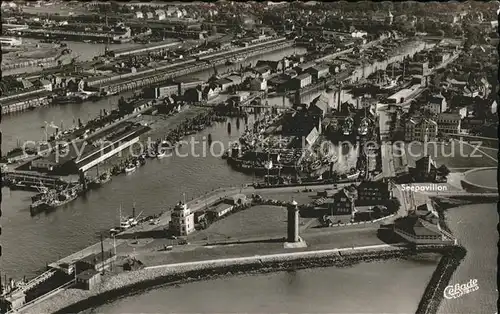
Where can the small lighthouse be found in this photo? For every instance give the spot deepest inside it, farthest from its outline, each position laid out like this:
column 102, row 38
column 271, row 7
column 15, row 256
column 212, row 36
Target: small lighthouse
column 293, row 222
column 293, row 238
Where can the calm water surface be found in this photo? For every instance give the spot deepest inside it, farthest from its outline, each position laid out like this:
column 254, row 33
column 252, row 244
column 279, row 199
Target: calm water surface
column 476, row 228
column 378, row 287
column 29, row 243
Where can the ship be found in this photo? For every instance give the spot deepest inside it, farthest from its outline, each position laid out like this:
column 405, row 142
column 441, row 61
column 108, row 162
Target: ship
column 126, row 223
column 62, row 198
column 100, row 180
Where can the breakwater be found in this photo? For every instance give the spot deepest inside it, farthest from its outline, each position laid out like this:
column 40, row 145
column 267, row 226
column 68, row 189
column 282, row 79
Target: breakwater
column 72, row 300
column 433, row 294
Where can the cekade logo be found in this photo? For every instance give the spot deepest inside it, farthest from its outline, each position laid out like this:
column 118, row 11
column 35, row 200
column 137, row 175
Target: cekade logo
column 456, row 291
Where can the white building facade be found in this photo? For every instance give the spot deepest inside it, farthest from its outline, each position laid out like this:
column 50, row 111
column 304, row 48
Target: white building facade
column 182, row 221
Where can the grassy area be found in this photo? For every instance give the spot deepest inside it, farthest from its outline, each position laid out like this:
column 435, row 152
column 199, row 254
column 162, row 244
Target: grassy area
column 257, row 221
column 453, row 155
column 319, row 240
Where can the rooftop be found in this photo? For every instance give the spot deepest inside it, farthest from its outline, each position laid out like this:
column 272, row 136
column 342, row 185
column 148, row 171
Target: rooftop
column 87, row 274
column 303, row 76
column 417, row 226
column 221, row 207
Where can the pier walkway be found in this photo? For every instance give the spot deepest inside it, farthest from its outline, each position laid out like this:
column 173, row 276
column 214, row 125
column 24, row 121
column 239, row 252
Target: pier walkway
column 34, row 282
column 34, row 178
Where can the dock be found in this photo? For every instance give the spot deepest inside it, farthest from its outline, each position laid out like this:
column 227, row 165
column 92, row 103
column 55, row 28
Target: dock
column 164, row 70
column 153, row 47
column 34, row 179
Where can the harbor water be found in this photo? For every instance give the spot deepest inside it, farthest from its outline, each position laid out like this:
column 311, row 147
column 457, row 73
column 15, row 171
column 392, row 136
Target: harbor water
column 330, row 290
column 25, row 126
column 319, row 290
column 29, row 243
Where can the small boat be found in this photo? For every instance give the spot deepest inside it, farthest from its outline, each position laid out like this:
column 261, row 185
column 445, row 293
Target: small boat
column 161, row 154
column 130, row 168
column 316, row 165
column 390, row 85
column 354, row 174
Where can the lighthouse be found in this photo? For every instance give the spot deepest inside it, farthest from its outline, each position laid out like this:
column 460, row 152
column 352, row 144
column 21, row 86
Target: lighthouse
column 293, row 240
column 293, row 222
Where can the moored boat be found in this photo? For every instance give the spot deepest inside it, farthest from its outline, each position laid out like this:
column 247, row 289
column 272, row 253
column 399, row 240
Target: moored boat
column 130, row 168
column 353, row 174
column 161, row 154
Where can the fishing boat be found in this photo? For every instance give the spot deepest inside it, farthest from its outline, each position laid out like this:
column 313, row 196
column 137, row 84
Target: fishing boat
column 130, row 221
column 130, row 168
column 63, row 198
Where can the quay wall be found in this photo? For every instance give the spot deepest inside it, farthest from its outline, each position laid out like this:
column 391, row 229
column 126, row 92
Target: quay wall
column 21, row 105
column 29, row 63
column 73, row 300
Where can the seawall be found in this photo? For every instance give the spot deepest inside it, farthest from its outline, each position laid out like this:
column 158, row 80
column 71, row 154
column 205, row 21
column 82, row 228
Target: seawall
column 433, row 294
column 127, row 283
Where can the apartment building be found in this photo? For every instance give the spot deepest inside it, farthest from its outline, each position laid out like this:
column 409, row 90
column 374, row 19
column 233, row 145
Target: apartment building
column 420, row 130
column 448, row 123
